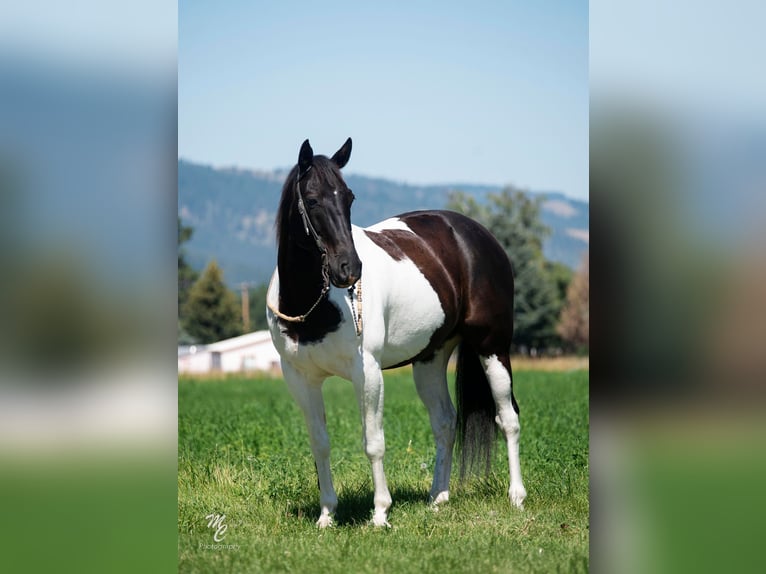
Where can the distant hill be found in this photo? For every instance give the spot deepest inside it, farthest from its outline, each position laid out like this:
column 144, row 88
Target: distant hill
column 232, row 212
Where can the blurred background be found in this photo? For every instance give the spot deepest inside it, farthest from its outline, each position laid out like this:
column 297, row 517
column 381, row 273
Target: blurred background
column 91, row 130
column 87, row 285
column 678, row 190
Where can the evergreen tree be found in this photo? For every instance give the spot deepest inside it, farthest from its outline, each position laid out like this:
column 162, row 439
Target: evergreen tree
column 211, row 312
column 513, row 217
column 561, row 275
column 186, row 274
column 258, row 307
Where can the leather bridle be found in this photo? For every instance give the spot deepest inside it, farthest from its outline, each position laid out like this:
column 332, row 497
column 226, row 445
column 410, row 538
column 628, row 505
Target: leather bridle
column 311, row 231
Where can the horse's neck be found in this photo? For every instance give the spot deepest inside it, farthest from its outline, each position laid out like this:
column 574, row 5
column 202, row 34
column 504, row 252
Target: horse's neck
column 300, row 276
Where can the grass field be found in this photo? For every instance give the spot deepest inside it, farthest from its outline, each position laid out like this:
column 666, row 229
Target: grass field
column 243, row 451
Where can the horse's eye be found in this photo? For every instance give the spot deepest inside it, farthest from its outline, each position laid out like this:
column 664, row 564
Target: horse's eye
column 311, row 202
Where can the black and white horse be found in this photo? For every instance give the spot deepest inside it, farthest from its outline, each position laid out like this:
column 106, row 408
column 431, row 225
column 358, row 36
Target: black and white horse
column 351, row 302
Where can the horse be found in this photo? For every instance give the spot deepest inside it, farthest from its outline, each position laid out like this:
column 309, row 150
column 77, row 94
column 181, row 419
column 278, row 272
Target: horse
column 432, row 281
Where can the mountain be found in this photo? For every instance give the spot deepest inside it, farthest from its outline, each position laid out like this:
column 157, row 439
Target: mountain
column 232, row 212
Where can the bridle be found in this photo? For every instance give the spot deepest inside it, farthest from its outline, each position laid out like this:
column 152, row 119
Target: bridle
column 311, row 231
column 307, row 225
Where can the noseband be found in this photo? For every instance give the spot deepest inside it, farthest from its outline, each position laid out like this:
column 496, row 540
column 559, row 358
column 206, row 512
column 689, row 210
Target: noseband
column 311, row 230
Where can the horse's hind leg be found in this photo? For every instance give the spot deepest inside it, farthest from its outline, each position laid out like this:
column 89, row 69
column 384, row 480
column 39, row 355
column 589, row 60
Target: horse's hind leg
column 308, row 395
column 431, row 383
column 498, row 370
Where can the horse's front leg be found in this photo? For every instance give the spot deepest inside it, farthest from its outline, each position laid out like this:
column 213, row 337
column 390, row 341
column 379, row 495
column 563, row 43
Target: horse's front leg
column 368, row 382
column 307, row 393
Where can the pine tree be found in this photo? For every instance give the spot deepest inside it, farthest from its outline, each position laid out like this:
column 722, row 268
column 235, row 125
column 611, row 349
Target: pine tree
column 258, row 307
column 211, row 312
column 186, row 274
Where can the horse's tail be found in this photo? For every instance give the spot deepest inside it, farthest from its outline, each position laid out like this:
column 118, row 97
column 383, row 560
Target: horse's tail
column 476, row 429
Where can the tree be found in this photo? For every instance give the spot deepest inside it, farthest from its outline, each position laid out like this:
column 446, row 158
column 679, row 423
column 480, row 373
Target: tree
column 561, row 275
column 211, row 312
column 575, row 317
column 258, row 307
column 186, row 274
column 513, row 217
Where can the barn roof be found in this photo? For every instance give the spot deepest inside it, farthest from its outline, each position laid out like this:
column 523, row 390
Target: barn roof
column 246, row 340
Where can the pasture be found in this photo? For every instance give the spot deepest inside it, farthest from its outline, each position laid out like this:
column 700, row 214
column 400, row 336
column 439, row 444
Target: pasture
column 243, row 452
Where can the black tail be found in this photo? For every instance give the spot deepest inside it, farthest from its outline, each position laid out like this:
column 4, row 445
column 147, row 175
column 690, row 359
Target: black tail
column 476, row 429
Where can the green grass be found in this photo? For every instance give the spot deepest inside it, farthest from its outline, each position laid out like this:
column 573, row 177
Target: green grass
column 243, row 451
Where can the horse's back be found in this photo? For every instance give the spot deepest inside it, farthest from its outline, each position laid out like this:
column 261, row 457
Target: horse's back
column 464, row 248
column 478, row 261
column 461, row 263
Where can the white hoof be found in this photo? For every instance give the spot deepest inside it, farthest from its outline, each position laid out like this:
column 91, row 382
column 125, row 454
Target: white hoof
column 379, row 520
column 517, row 495
column 440, row 498
column 324, row 521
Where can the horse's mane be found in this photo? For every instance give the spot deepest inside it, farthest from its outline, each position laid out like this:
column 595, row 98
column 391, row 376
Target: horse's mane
column 286, row 203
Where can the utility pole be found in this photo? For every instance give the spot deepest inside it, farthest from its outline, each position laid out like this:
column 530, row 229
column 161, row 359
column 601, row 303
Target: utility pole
column 245, row 309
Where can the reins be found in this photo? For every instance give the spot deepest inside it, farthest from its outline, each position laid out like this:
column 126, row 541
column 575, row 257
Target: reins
column 310, row 230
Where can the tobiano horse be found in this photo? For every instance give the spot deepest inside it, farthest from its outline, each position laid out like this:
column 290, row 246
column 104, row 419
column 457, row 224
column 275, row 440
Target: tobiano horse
column 352, row 302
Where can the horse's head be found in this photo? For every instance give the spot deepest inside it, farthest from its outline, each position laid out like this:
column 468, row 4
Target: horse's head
column 327, row 207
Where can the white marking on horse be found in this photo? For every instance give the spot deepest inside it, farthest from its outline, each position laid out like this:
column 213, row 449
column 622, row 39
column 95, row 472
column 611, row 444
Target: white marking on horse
column 431, row 384
column 335, row 357
column 500, row 383
column 391, row 223
column 410, row 308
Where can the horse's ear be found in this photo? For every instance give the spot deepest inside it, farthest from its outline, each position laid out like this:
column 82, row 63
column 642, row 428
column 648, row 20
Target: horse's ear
column 305, row 157
column 342, row 156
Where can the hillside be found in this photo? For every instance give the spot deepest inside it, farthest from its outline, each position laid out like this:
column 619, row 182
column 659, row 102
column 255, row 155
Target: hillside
column 232, row 212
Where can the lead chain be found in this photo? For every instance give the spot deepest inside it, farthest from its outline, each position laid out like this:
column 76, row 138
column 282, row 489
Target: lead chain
column 356, row 311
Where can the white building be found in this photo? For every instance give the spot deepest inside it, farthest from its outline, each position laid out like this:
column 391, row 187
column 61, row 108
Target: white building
column 250, row 352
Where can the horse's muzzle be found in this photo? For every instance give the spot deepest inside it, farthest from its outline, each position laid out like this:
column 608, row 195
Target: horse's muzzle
column 346, row 272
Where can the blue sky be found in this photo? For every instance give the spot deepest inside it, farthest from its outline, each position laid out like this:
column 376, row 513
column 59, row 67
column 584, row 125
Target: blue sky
column 700, row 58
column 431, row 92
